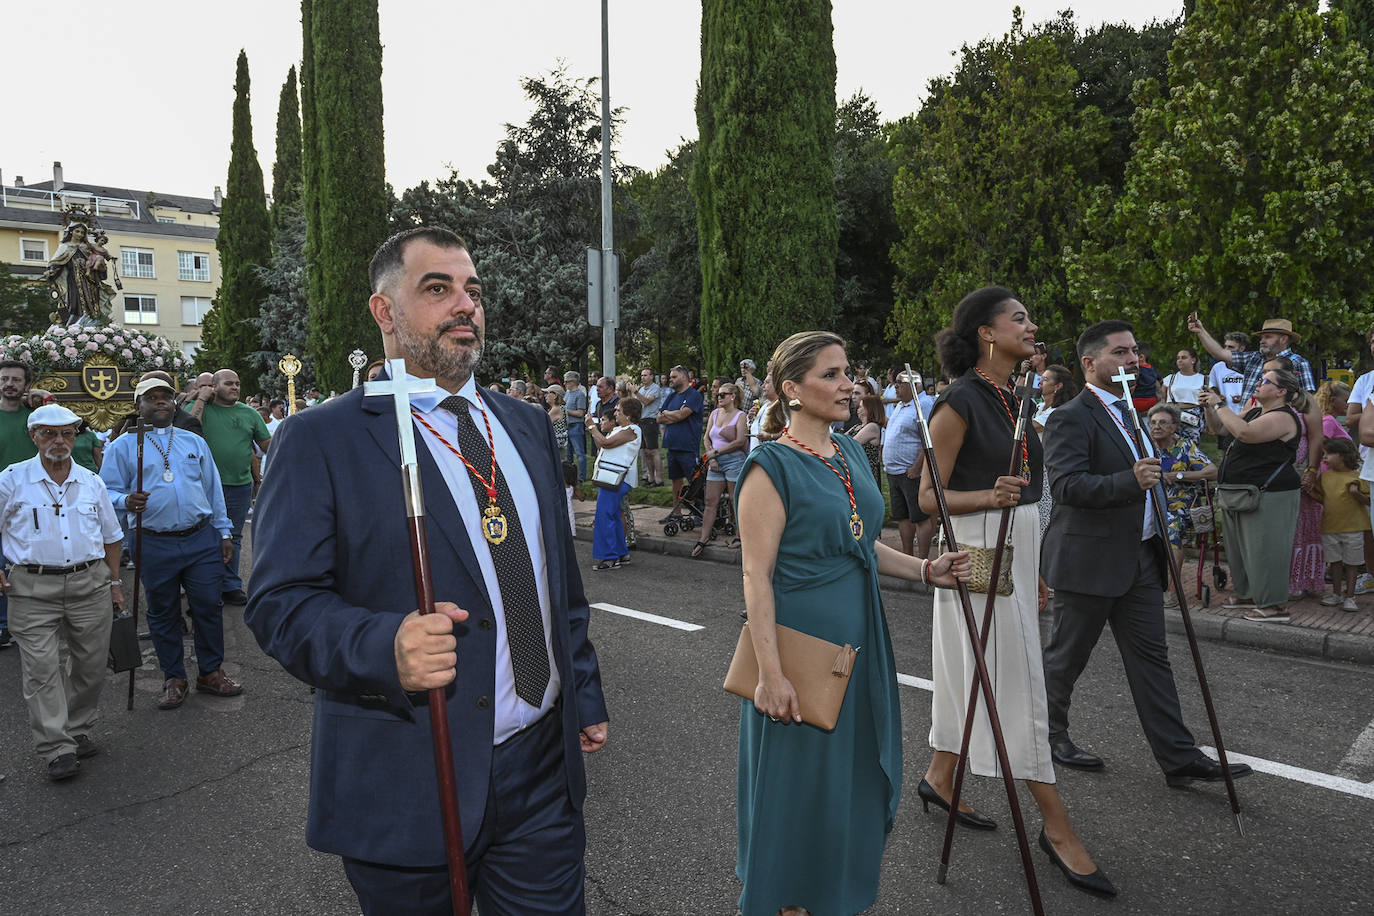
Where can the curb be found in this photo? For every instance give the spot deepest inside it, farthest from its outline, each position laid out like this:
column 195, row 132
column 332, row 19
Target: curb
column 1305, row 642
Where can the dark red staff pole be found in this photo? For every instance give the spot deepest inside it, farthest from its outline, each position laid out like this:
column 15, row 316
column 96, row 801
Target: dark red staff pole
column 971, row 624
column 138, row 548
column 399, row 387
column 1147, row 448
column 1014, row 470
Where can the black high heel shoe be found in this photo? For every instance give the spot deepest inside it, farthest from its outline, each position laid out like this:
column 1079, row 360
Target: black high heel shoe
column 968, row 818
column 1096, row 882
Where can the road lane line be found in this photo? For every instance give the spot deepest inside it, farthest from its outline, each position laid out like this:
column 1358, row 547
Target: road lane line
column 651, row 618
column 1273, row 768
column 1298, row 774
column 1360, row 757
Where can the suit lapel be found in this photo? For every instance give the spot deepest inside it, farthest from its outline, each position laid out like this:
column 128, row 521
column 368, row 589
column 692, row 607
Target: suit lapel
column 1107, row 423
column 441, row 512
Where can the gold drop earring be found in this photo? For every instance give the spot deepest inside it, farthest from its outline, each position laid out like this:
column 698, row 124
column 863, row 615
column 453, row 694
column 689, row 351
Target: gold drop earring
column 992, row 345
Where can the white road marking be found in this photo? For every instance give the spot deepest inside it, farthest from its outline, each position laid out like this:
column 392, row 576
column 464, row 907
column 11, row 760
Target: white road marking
column 651, row 618
column 1360, row 758
column 1273, row 768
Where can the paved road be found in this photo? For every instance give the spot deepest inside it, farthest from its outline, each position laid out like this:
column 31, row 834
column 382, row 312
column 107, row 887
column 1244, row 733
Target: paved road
column 201, row 810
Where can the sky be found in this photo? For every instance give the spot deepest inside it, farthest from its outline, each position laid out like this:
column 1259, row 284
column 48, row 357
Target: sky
column 153, row 108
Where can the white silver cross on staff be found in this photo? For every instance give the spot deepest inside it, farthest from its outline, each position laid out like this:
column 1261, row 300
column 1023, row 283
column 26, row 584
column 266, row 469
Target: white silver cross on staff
column 400, row 387
column 1147, row 450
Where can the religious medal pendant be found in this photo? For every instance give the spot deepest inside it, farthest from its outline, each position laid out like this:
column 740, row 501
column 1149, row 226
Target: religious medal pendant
column 168, row 476
column 856, row 526
column 493, row 524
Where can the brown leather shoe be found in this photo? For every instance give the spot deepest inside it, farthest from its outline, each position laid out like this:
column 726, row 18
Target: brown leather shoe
column 173, row 693
column 219, row 683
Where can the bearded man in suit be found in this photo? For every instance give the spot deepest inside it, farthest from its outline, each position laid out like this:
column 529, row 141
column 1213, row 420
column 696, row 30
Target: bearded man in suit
column 331, row 600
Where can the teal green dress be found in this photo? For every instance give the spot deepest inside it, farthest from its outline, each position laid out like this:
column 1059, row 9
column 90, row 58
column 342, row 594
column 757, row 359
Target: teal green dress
column 815, row 807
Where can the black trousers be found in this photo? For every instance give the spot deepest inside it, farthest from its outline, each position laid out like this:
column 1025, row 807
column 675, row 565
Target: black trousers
column 1137, row 620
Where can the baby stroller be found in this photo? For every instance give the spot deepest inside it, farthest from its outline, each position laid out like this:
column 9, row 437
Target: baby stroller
column 692, row 507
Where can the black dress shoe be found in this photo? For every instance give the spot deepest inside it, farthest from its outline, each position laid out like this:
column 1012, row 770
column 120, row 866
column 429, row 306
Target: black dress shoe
column 1204, row 769
column 65, row 766
column 234, row 597
column 1066, row 753
column 968, row 818
column 1096, row 882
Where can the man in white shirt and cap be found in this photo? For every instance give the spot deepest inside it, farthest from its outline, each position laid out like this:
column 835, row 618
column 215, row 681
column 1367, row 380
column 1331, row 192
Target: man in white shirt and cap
column 63, row 538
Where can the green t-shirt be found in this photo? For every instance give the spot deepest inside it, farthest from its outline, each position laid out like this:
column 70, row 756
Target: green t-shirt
column 83, row 452
column 231, row 432
column 15, row 442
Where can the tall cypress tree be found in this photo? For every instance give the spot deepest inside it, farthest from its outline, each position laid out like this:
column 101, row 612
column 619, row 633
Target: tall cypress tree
column 350, row 198
column 1360, row 15
column 764, row 178
column 286, row 172
column 244, row 242
column 310, row 157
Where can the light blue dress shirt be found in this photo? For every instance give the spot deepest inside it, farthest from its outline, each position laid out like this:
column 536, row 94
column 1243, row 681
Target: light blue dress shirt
column 193, row 495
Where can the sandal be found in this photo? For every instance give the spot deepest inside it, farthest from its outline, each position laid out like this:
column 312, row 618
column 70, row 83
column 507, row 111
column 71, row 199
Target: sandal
column 1268, row 615
column 734, row 543
column 607, row 564
column 698, row 548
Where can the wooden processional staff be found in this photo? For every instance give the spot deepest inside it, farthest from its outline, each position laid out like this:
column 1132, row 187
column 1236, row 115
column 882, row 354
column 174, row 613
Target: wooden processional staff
column 966, row 603
column 1018, row 457
column 1147, row 450
column 399, row 388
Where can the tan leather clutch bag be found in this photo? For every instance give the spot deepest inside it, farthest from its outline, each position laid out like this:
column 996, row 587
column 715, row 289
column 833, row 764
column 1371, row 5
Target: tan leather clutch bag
column 819, row 672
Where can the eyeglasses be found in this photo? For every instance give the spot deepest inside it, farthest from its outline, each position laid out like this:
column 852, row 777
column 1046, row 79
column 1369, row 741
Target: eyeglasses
column 724, row 394
column 1264, row 381
column 54, row 433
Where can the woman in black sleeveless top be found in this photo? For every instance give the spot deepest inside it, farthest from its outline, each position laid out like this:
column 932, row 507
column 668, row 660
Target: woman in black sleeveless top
column 1259, row 544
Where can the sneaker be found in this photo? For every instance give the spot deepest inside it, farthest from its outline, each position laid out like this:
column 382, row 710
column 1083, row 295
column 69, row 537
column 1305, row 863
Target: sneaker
column 1349, row 606
column 1364, row 585
column 1331, row 600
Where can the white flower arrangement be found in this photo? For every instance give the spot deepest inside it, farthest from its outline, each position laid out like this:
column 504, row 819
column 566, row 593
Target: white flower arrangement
column 58, row 349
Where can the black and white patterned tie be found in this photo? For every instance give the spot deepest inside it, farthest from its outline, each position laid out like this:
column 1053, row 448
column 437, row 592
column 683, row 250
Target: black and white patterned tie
column 514, row 571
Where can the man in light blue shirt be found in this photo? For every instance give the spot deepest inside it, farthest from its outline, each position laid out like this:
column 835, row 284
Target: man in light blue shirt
column 575, row 406
column 651, row 395
column 186, row 539
column 902, row 461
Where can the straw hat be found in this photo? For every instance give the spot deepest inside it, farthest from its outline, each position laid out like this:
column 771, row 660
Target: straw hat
column 1280, row 326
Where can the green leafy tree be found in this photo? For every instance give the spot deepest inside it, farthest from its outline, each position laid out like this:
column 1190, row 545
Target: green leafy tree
column 244, row 243
column 867, row 225
column 350, row 191
column 24, row 304
column 286, row 171
column 992, row 186
column 764, row 175
column 283, row 321
column 530, row 226
column 1249, row 191
column 664, row 283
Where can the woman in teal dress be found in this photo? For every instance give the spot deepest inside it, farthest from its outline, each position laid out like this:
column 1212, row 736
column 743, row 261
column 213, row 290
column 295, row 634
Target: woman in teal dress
column 815, row 807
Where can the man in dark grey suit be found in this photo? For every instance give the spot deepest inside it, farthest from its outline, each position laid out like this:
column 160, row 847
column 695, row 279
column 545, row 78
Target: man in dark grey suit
column 1109, row 563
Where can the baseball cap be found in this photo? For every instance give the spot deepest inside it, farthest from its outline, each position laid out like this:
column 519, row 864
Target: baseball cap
column 149, row 384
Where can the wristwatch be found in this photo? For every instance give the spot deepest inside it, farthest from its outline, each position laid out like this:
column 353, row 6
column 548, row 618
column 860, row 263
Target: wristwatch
column 1179, row 477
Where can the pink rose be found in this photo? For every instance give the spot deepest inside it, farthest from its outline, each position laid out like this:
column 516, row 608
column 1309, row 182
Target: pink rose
column 119, row 340
column 68, row 342
column 69, row 352
column 145, row 351
column 157, row 361
column 92, row 345
column 127, row 353
column 26, row 356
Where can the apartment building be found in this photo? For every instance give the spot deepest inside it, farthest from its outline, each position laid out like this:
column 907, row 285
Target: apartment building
column 163, row 245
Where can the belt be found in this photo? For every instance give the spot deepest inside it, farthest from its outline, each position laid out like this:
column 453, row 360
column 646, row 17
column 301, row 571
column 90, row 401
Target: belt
column 42, row 570
column 185, row 532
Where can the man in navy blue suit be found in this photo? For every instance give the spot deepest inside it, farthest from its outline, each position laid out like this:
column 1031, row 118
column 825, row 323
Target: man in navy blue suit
column 332, row 599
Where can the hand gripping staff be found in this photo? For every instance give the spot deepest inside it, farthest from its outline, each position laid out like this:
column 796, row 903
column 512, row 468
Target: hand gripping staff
column 400, row 388
column 138, row 549
column 1017, row 457
column 1147, row 449
column 967, row 604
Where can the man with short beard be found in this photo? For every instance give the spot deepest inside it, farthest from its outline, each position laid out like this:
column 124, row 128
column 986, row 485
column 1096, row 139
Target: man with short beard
column 58, row 527
column 331, row 601
column 232, row 429
column 650, row 394
column 682, row 412
column 186, row 539
column 1276, row 338
column 15, row 444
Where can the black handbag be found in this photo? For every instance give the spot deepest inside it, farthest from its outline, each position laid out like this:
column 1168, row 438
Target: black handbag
column 124, row 652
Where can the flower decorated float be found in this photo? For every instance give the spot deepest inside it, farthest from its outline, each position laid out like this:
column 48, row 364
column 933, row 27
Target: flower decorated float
column 92, row 370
